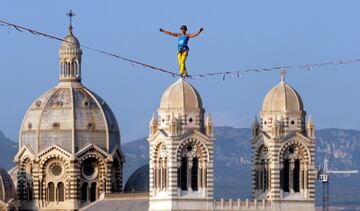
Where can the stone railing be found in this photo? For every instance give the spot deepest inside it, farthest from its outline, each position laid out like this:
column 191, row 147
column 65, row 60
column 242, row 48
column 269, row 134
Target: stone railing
column 238, row 204
column 125, row 195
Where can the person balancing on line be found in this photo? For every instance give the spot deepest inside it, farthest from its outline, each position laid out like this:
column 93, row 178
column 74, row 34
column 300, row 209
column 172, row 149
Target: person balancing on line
column 183, row 48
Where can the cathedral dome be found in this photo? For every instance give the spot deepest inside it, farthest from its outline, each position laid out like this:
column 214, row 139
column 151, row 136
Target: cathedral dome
column 139, row 180
column 282, row 98
column 180, row 95
column 7, row 190
column 69, row 115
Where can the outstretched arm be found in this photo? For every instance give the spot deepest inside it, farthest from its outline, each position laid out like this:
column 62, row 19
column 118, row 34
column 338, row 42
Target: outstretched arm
column 196, row 34
column 170, row 33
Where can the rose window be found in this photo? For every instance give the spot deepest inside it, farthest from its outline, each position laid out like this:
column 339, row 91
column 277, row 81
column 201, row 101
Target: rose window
column 90, row 169
column 56, row 169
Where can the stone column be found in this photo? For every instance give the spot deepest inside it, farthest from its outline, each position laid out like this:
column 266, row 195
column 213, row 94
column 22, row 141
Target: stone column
column 199, row 176
column 291, row 176
column 157, row 177
column 301, row 179
column 204, row 176
column 189, row 175
column 161, row 179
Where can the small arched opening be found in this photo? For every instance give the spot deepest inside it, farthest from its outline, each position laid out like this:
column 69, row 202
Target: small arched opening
column 84, row 192
column 51, row 192
column 93, row 192
column 60, row 192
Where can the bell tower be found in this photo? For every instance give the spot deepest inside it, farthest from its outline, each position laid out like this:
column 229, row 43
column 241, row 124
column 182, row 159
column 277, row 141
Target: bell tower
column 283, row 170
column 181, row 152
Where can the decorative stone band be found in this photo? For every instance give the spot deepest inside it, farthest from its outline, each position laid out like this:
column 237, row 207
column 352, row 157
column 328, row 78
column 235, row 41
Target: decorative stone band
column 238, row 204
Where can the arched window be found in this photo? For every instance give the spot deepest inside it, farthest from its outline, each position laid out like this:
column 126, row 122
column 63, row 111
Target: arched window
column 115, row 176
column 195, row 174
column 160, row 168
column 297, row 176
column 61, row 191
column 193, row 170
column 262, row 169
column 76, row 68
column 293, row 177
column 51, row 191
column 183, row 173
column 93, row 192
column 84, row 192
column 65, row 69
column 68, row 68
column 285, row 176
column 72, row 69
column 29, row 192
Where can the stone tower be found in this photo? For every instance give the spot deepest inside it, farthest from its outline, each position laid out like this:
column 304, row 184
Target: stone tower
column 283, row 148
column 181, row 152
column 69, row 143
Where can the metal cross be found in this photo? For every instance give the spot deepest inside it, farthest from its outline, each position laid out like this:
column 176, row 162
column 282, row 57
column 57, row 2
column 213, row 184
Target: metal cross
column 70, row 14
column 282, row 74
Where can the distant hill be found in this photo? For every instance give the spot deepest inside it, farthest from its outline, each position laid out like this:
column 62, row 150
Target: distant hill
column 8, row 149
column 233, row 161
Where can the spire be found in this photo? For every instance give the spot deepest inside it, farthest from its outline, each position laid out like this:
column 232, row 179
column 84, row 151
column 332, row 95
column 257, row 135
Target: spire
column 255, row 122
column 310, row 122
column 282, row 75
column 71, row 15
column 70, row 56
column 310, row 128
column 255, row 127
column 154, row 119
column 209, row 127
column 208, row 119
column 153, row 125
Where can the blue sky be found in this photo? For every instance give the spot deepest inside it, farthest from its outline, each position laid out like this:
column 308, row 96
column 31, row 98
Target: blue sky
column 238, row 35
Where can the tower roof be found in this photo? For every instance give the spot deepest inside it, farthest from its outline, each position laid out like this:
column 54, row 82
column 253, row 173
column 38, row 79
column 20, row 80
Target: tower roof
column 181, row 95
column 282, row 98
column 70, row 41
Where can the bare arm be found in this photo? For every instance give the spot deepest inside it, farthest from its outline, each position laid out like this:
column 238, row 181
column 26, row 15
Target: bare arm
column 196, row 34
column 169, row 33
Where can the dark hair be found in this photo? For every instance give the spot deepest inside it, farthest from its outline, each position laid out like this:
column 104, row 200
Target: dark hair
column 183, row 27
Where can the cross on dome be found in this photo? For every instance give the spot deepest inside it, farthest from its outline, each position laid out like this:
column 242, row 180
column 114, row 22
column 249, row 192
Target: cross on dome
column 71, row 15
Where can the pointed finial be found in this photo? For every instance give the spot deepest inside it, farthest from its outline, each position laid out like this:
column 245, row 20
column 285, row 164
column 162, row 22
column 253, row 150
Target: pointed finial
column 208, row 119
column 71, row 15
column 153, row 120
column 310, row 122
column 282, row 75
column 256, row 122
